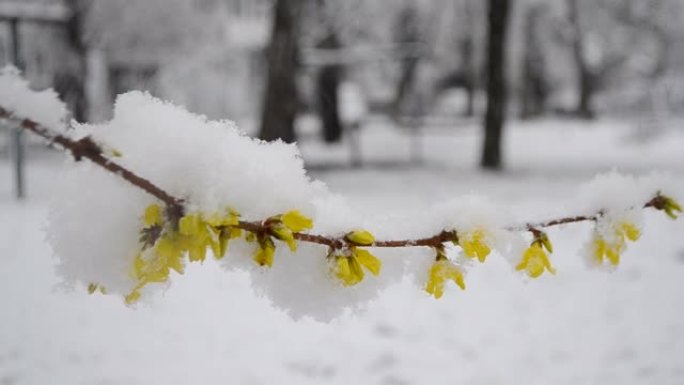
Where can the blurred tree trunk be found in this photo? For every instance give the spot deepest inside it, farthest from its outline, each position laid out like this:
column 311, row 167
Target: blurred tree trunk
column 70, row 80
column 408, row 34
column 328, row 83
column 466, row 48
column 496, row 83
column 281, row 100
column 534, row 82
column 586, row 79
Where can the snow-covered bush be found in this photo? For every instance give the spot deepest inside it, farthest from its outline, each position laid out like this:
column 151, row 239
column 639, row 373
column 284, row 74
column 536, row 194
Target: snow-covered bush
column 163, row 188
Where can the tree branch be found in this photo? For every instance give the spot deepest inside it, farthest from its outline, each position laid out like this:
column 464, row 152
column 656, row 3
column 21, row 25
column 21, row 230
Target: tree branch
column 86, row 148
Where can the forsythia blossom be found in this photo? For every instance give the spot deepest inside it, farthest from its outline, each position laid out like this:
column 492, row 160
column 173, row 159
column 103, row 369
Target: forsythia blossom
column 474, row 244
column 164, row 246
column 610, row 246
column 671, row 207
column 281, row 227
column 348, row 264
column 360, row 237
column 535, row 260
column 443, row 270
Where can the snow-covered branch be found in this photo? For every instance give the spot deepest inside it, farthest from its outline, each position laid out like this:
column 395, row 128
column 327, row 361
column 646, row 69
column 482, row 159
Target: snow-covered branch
column 205, row 185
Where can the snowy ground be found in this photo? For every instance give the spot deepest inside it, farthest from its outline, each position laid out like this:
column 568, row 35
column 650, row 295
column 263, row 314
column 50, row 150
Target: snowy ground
column 579, row 327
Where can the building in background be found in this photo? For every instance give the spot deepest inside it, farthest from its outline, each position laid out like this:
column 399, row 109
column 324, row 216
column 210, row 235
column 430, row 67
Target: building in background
column 205, row 54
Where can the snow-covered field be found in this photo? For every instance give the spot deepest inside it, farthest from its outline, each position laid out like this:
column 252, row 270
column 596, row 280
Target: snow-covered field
column 580, row 327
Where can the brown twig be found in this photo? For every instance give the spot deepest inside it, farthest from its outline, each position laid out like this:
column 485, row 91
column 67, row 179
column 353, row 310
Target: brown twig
column 88, row 149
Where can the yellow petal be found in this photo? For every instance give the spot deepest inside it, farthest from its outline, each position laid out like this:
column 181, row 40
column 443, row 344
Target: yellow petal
column 356, row 270
column 371, row 262
column 436, row 280
column 631, row 231
column 361, row 237
column 534, row 261
column 547, row 265
column 296, row 221
column 456, row 275
column 613, row 256
column 599, row 250
column 265, row 252
column 524, row 261
column 92, row 287
column 546, row 242
column 189, row 225
column 197, row 253
column 235, row 232
column 285, row 234
column 175, row 263
column 226, row 235
column 153, row 215
column 343, row 271
column 138, row 267
column 474, row 245
column 214, row 241
column 133, row 297
column 171, row 250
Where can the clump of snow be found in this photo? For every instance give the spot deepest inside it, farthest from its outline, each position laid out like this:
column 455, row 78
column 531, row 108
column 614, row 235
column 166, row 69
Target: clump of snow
column 96, row 217
column 303, row 283
column 43, row 107
column 210, row 164
column 93, row 226
column 616, row 192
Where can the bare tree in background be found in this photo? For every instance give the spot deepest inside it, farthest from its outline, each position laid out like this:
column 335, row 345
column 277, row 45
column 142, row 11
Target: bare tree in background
column 495, row 115
column 642, row 18
column 70, row 80
column 327, row 86
column 587, row 78
column 535, row 87
column 466, row 49
column 593, row 75
column 281, row 100
column 407, row 31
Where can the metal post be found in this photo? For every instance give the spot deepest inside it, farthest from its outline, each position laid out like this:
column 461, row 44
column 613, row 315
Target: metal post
column 17, row 142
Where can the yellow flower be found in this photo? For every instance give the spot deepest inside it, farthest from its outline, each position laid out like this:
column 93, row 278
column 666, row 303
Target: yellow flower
column 153, row 215
column 284, row 226
column 156, row 268
column 535, row 261
column 611, row 248
column 360, row 237
column 630, row 231
column 349, row 266
column 296, row 221
column 265, row 251
column 442, row 271
column 284, row 234
column 169, row 250
column 197, row 236
column 474, row 245
column 225, row 235
column 671, row 207
column 601, row 249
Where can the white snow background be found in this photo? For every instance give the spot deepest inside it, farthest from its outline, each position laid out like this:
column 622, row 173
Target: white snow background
column 581, row 326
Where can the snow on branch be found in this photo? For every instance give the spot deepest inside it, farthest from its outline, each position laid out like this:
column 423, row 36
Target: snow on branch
column 195, row 186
